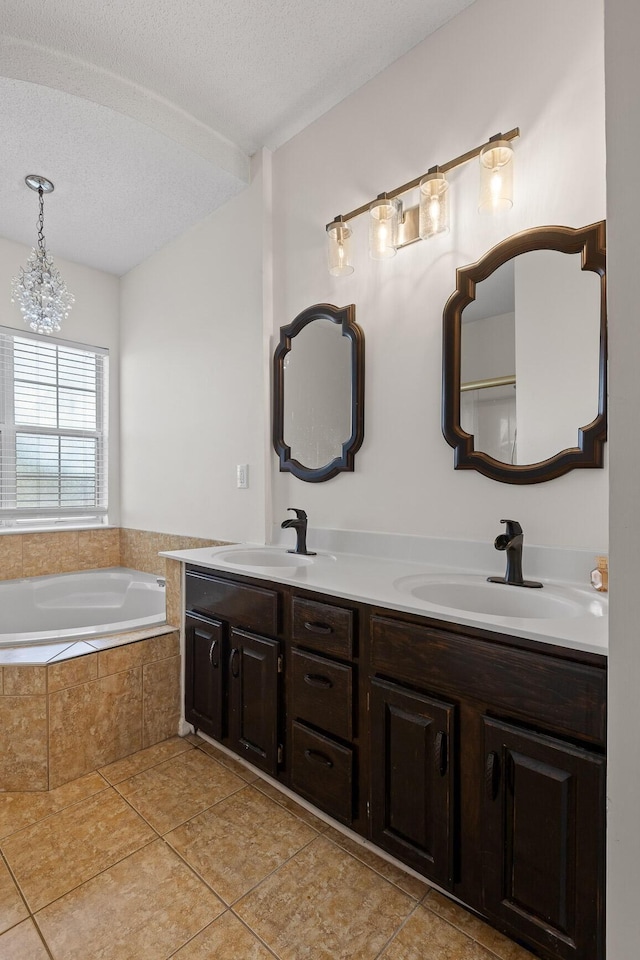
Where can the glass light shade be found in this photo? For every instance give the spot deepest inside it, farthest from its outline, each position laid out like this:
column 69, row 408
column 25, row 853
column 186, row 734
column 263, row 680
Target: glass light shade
column 42, row 294
column 496, row 177
column 384, row 215
column 434, row 205
column 339, row 249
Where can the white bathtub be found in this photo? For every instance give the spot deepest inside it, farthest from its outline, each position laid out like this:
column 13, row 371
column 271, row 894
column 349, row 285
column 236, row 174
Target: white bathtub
column 74, row 606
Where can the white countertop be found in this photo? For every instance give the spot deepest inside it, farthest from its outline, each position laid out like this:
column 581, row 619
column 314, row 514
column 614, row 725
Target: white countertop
column 374, row 580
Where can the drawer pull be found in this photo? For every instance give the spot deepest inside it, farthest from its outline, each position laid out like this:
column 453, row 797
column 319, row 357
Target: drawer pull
column 492, row 775
column 441, row 753
column 316, row 680
column 314, row 756
column 234, row 666
column 323, row 628
column 212, row 650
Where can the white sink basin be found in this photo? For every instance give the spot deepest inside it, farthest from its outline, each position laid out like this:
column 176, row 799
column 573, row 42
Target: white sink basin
column 267, row 557
column 476, row 595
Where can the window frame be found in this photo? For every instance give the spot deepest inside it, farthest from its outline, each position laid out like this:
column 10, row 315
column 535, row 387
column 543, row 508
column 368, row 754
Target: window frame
column 12, row 516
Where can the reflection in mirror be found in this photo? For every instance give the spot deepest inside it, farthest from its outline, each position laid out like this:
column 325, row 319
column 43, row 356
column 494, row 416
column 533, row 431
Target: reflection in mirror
column 545, row 337
column 317, row 394
column 524, row 396
column 318, row 423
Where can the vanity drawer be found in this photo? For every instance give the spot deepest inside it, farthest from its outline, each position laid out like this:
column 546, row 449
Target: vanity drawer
column 322, row 771
column 322, row 693
column 251, row 608
column 323, row 627
column 544, row 690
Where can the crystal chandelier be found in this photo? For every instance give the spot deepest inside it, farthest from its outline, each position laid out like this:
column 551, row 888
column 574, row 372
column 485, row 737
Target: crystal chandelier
column 40, row 291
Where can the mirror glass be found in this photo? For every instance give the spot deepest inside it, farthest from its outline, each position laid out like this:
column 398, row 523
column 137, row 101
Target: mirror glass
column 317, row 394
column 318, row 399
column 524, row 356
column 530, row 357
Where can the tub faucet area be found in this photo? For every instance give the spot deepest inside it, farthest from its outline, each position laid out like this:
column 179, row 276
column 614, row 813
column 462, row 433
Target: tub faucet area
column 512, row 542
column 300, row 526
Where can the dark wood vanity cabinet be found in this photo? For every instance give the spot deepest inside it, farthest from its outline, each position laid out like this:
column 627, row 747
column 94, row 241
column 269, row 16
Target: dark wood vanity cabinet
column 509, row 816
column 473, row 757
column 542, row 831
column 322, row 723
column 205, row 651
column 233, row 667
column 412, row 778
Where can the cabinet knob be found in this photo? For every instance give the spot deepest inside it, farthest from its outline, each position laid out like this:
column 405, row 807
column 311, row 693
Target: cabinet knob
column 234, row 665
column 212, row 651
column 492, row 775
column 323, row 628
column 314, row 756
column 316, row 680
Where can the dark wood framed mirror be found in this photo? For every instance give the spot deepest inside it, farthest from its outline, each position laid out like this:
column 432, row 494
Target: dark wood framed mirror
column 524, row 368
column 318, row 393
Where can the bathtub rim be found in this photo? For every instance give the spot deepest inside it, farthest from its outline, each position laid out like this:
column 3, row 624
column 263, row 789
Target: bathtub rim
column 73, row 634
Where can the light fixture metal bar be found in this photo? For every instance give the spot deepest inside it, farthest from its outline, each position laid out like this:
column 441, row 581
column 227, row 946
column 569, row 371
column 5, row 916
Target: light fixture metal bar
column 444, row 168
column 490, row 382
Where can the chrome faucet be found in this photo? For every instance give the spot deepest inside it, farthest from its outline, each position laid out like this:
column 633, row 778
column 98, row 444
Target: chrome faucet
column 300, row 527
column 512, row 541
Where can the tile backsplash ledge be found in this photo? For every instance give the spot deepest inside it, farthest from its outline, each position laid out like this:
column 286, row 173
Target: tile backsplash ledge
column 38, row 554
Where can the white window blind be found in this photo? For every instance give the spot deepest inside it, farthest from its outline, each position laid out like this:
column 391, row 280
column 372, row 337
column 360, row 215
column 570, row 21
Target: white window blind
column 53, row 431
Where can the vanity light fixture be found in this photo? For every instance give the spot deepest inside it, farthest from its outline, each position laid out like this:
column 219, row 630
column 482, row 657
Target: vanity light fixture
column 40, row 291
column 339, row 248
column 496, row 177
column 434, row 204
column 391, row 226
column 384, row 216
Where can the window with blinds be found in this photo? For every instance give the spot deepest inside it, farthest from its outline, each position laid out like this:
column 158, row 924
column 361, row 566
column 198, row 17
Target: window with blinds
column 53, row 431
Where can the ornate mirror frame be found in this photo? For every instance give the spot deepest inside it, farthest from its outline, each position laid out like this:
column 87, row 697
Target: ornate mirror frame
column 590, row 241
column 345, row 317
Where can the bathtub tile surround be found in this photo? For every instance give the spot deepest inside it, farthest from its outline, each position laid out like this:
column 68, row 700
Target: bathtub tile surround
column 160, row 700
column 21, row 681
column 39, row 554
column 10, row 556
column 125, row 890
column 68, row 707
column 106, row 713
column 24, row 757
column 139, row 549
column 63, row 719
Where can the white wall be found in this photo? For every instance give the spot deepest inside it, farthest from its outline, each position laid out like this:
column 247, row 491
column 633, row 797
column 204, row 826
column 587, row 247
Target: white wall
column 193, row 369
column 93, row 320
column 495, row 66
column 623, row 149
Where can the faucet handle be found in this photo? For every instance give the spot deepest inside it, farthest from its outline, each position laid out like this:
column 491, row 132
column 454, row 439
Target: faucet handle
column 513, row 528
column 300, row 514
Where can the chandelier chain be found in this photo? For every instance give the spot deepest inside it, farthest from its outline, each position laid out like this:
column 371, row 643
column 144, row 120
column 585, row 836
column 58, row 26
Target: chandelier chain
column 41, row 221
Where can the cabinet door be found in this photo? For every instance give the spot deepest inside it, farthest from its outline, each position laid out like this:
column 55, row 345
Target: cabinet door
column 543, row 843
column 204, row 659
column 412, row 778
column 253, row 699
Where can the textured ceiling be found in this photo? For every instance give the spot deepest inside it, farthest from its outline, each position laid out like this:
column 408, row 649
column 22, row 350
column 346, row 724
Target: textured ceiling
column 144, row 112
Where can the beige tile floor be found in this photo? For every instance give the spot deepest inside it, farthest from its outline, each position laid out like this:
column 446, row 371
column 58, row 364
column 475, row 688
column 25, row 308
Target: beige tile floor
column 179, row 851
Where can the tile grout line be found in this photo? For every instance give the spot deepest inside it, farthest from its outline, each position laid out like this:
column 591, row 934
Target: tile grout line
column 377, row 872
column 182, row 822
column 65, row 806
column 90, row 879
column 76, row 886
column 151, row 766
column 461, row 930
column 396, row 932
column 255, row 934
